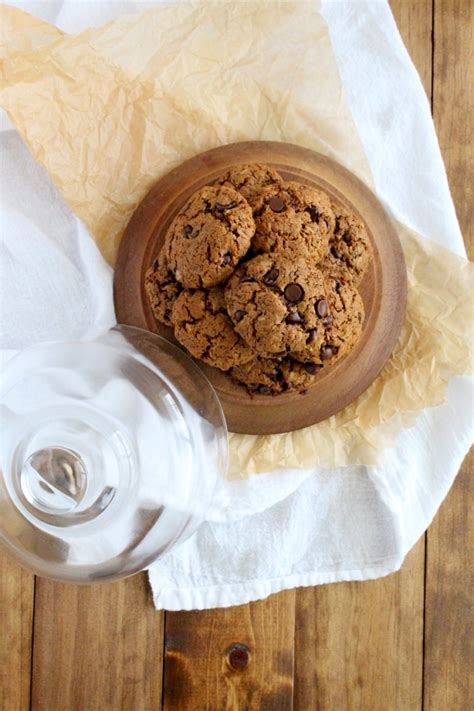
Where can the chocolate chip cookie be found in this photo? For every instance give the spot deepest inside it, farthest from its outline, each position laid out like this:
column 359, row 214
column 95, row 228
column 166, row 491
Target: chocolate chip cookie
column 344, row 323
column 162, row 290
column 350, row 245
column 273, row 302
column 250, row 180
column 208, row 237
column 201, row 325
column 292, row 218
column 268, row 376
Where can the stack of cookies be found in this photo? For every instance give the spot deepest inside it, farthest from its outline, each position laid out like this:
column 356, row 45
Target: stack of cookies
column 258, row 277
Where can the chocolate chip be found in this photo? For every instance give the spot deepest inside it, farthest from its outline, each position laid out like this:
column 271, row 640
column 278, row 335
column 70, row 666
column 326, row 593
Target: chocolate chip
column 220, row 207
column 337, row 284
column 336, row 253
column 247, row 279
column 346, row 237
column 294, row 317
column 155, row 264
column 293, row 293
column 188, row 229
column 312, row 336
column 227, row 258
column 279, row 377
column 311, row 368
column 321, row 308
column 276, row 204
column 264, row 389
column 327, row 351
column 271, row 276
column 314, row 213
column 329, row 319
column 238, row 316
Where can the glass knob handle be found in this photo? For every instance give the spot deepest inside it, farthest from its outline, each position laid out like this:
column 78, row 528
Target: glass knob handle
column 54, row 477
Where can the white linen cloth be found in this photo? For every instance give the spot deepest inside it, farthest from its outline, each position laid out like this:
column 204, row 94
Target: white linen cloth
column 285, row 528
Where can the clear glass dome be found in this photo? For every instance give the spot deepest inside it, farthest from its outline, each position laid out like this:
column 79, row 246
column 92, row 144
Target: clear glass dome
column 110, row 454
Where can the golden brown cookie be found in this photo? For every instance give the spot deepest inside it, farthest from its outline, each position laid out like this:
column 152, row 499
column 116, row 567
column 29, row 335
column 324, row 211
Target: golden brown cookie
column 250, row 180
column 162, row 290
column 345, row 316
column 350, row 244
column 293, row 219
column 208, row 237
column 203, row 327
column 270, row 377
column 274, row 301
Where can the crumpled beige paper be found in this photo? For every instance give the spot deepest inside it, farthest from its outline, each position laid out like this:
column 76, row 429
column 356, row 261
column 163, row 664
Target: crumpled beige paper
column 111, row 110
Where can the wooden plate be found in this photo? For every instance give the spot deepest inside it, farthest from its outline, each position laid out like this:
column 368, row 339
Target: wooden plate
column 383, row 289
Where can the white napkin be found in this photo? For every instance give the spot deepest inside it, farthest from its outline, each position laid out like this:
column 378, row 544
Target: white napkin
column 300, row 527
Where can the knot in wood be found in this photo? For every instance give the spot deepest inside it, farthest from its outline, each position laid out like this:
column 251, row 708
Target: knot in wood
column 238, row 656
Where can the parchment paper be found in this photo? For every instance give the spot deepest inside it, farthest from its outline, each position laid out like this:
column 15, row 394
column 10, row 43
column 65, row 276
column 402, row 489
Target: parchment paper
column 111, row 110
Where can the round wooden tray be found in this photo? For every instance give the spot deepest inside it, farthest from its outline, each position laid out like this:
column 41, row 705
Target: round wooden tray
column 383, row 289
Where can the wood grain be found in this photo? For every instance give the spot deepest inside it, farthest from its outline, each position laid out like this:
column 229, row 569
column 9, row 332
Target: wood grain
column 198, row 660
column 414, row 19
column 453, row 103
column 383, row 288
column 449, row 629
column 97, row 647
column 359, row 646
column 448, row 607
column 16, row 619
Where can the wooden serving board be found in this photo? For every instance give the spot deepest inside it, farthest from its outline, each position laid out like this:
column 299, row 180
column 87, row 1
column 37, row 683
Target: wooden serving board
column 384, row 287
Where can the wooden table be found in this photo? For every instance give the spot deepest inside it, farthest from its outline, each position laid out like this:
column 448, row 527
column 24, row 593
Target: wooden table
column 395, row 644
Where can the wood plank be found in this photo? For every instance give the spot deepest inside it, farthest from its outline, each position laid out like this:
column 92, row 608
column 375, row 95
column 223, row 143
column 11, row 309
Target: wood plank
column 16, row 619
column 453, row 103
column 448, row 607
column 448, row 617
column 96, row 648
column 360, row 645
column 415, row 22
column 237, row 659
